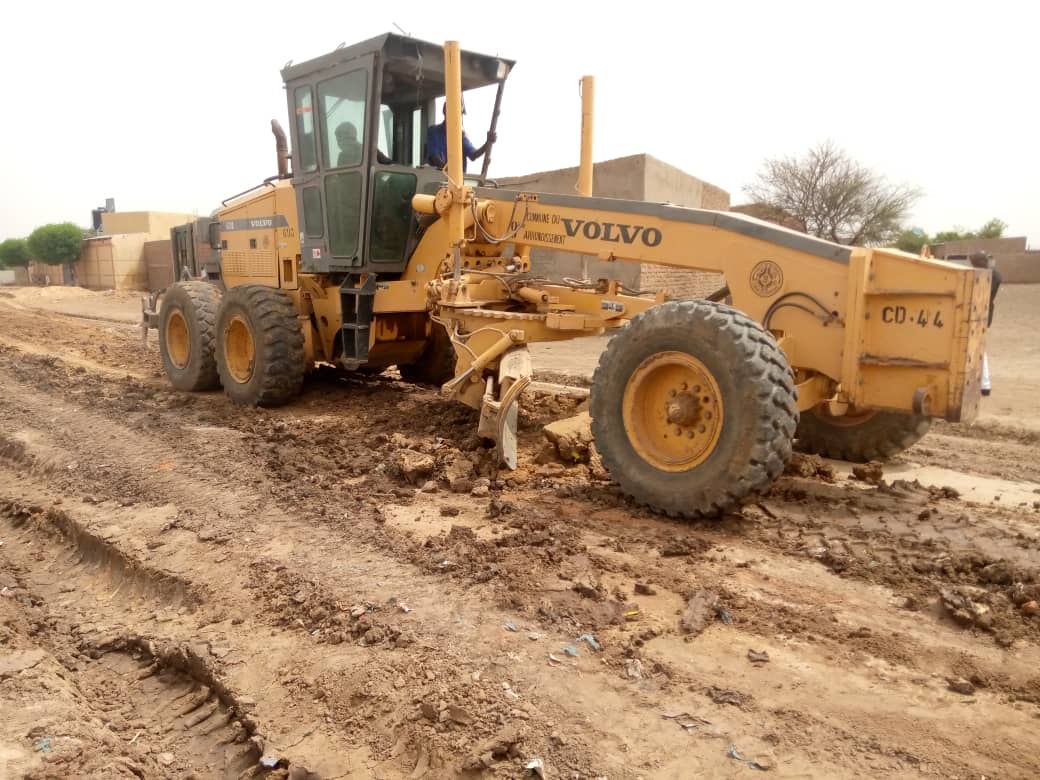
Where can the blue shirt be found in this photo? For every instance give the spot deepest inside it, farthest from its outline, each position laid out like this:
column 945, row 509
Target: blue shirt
column 437, row 144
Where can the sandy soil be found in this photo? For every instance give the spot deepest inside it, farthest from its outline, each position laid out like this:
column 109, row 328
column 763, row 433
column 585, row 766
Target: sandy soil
column 347, row 587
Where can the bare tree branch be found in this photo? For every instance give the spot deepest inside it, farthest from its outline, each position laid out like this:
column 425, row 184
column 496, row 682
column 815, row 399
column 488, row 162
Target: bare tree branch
column 834, row 197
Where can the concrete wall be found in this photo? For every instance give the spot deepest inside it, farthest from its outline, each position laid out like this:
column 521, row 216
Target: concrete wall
column 116, row 260
column 113, row 263
column 639, row 177
column 994, row 246
column 665, row 183
column 1019, row 267
column 7, row 276
column 41, row 273
column 156, row 224
column 1017, row 264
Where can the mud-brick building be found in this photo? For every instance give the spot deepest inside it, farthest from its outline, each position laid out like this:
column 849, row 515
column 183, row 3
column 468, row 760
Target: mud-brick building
column 116, row 258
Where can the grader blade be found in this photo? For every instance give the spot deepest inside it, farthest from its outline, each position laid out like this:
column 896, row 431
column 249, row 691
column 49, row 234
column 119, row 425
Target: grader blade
column 498, row 416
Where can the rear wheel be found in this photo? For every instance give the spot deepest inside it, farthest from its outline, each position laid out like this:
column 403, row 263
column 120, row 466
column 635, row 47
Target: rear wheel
column 436, row 365
column 260, row 353
column 187, row 335
column 873, row 435
column 693, row 408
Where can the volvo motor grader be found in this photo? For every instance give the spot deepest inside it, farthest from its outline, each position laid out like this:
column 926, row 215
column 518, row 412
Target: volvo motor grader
column 365, row 257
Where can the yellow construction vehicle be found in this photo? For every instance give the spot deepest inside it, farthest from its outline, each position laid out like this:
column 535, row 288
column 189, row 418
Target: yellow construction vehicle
column 366, row 257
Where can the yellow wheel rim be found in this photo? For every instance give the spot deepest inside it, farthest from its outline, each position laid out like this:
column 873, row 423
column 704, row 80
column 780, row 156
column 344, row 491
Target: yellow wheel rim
column 239, row 350
column 672, row 411
column 178, row 342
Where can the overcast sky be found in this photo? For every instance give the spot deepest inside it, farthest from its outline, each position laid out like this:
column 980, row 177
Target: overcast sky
column 166, row 106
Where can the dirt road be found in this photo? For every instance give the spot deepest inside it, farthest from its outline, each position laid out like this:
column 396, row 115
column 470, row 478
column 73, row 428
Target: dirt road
column 346, row 587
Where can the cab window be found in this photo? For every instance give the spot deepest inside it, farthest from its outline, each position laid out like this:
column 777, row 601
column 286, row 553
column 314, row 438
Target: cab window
column 305, row 129
column 401, row 134
column 342, row 102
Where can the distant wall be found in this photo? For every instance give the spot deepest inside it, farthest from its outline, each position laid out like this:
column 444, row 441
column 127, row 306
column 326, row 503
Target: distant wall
column 156, row 224
column 1017, row 264
column 113, row 263
column 994, row 246
column 41, row 273
column 667, row 184
column 679, row 283
column 1019, row 268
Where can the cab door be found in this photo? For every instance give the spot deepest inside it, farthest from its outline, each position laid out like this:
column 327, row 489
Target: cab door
column 331, row 161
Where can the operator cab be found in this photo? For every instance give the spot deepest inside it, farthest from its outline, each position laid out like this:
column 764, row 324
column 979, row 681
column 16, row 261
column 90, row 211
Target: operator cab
column 359, row 121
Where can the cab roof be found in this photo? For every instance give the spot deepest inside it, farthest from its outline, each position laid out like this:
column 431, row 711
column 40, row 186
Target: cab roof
column 410, row 66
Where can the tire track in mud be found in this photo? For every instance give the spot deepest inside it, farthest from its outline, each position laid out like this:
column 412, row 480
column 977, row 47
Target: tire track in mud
column 133, row 706
column 171, row 695
column 84, row 549
column 279, row 589
column 528, row 558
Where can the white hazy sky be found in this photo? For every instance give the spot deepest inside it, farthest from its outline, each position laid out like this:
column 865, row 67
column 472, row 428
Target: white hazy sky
column 166, row 106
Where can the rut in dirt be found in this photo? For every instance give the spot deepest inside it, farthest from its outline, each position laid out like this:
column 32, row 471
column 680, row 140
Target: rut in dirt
column 169, row 698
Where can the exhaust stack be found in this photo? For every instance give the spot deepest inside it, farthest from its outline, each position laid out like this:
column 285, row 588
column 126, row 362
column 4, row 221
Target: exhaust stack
column 282, row 147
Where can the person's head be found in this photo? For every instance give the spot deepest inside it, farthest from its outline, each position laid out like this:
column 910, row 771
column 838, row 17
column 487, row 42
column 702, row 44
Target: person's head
column 981, row 259
column 444, row 108
column 346, row 134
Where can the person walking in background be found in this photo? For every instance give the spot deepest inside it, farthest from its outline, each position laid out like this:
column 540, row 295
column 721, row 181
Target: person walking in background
column 984, row 260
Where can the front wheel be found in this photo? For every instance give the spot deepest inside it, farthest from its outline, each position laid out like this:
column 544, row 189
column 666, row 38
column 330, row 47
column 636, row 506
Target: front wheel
column 693, row 408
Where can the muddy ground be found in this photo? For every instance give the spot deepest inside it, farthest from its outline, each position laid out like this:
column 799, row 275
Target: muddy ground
column 347, row 587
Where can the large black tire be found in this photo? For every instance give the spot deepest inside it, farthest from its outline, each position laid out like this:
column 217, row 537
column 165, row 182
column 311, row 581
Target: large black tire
column 436, row 365
column 187, row 335
column 753, row 429
column 859, row 438
column 260, row 353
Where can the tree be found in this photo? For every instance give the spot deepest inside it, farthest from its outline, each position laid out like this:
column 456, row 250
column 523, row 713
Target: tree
column 993, row 229
column 14, row 253
column 912, row 240
column 56, row 244
column 834, row 196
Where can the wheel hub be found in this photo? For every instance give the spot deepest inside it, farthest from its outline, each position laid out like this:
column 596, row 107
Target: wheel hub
column 239, row 350
column 672, row 411
column 178, row 342
column 683, row 410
